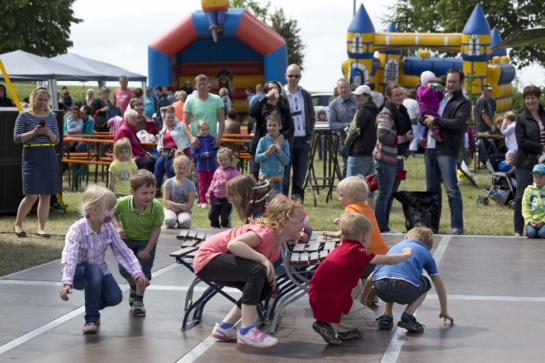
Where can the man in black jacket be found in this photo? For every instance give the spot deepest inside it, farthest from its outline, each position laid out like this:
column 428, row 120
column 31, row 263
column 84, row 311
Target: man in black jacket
column 440, row 158
column 302, row 113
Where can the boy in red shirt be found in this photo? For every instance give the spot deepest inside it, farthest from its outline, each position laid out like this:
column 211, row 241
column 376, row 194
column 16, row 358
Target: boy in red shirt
column 335, row 286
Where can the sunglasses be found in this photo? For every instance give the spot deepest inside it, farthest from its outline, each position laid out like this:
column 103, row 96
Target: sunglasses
column 294, row 75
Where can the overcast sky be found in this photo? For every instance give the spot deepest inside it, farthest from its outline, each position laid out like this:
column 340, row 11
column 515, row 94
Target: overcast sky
column 118, row 32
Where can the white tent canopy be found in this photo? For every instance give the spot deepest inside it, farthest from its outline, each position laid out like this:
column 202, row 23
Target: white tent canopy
column 24, row 66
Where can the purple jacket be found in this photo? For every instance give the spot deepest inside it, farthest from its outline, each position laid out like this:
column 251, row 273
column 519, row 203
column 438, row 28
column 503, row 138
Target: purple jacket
column 429, row 99
column 204, row 163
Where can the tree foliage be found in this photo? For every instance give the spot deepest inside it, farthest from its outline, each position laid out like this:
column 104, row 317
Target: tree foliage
column 288, row 29
column 450, row 16
column 41, row 27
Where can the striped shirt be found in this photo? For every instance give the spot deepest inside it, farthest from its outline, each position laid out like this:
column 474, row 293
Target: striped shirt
column 26, row 122
column 83, row 245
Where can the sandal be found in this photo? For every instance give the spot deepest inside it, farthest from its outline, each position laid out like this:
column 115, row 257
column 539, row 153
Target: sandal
column 385, row 322
column 327, row 332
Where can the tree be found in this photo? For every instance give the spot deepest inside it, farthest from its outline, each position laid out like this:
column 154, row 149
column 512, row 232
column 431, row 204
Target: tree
column 41, row 27
column 450, row 16
column 260, row 12
column 289, row 30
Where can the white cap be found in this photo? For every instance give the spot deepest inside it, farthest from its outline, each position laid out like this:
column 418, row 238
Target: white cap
column 361, row 90
column 426, row 77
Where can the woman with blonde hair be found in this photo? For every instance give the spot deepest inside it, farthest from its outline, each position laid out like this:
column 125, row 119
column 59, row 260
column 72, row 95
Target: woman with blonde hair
column 90, row 97
column 38, row 131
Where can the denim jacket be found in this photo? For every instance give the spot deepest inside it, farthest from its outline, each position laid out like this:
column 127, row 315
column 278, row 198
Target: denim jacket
column 177, row 133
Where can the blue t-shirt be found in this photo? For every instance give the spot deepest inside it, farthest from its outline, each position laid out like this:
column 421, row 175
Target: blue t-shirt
column 409, row 270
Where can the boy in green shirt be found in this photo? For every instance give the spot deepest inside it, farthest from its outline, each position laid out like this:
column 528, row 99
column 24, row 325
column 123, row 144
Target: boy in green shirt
column 138, row 220
column 533, row 204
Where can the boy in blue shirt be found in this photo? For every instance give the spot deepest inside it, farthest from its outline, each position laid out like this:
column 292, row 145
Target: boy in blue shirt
column 272, row 155
column 404, row 283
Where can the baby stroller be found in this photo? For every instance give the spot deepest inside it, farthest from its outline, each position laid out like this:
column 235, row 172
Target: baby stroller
column 502, row 190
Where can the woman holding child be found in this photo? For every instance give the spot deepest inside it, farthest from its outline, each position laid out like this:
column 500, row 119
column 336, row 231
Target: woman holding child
column 530, row 133
column 273, row 102
column 394, row 132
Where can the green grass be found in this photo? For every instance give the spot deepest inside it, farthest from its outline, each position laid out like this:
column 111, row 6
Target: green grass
column 18, row 254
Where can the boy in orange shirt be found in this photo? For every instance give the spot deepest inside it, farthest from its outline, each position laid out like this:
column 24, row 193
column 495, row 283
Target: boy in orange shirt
column 352, row 192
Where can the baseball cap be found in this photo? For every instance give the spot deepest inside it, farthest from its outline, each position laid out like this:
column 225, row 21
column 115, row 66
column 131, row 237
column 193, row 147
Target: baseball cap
column 539, row 168
column 488, row 87
column 361, row 90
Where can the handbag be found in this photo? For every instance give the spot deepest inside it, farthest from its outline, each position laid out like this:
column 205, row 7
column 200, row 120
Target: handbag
column 168, row 153
column 372, row 182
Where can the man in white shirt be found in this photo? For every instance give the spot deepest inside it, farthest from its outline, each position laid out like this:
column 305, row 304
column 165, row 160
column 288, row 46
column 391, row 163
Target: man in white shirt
column 304, row 118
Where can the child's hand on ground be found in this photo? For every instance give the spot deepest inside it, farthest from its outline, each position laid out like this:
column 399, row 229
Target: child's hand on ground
column 67, row 289
column 337, row 221
column 143, row 255
column 446, row 316
column 407, row 250
column 121, row 232
column 143, row 280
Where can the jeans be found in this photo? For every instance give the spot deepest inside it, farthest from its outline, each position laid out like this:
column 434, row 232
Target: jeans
column 80, row 147
column 162, row 165
column 533, row 232
column 362, row 165
column 444, row 166
column 300, row 152
column 387, row 187
column 153, row 151
column 400, row 291
column 343, row 150
column 524, row 178
column 100, row 290
column 136, row 247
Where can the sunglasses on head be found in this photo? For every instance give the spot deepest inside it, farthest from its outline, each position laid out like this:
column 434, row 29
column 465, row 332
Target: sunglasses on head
column 294, row 75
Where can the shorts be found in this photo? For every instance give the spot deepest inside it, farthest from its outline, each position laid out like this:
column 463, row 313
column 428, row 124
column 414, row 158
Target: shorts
column 147, row 265
column 401, row 291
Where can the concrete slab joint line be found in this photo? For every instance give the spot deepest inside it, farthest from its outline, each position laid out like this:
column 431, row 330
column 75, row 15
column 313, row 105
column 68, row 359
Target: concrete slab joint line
column 44, row 328
column 398, row 339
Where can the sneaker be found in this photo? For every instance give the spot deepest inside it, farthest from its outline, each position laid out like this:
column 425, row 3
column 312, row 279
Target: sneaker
column 327, row 332
column 138, row 309
column 224, row 335
column 409, row 322
column 351, row 334
column 456, row 231
column 422, row 143
column 255, row 338
column 436, row 136
column 90, row 328
column 385, row 322
column 518, row 234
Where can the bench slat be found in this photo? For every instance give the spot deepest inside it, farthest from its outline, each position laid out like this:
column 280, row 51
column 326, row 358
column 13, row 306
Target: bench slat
column 183, row 252
column 313, row 247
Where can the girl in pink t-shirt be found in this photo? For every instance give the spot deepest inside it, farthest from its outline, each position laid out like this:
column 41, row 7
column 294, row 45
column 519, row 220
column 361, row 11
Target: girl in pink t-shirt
column 242, row 258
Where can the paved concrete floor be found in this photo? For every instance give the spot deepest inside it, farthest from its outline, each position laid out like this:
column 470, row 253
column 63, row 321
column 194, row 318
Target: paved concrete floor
column 494, row 286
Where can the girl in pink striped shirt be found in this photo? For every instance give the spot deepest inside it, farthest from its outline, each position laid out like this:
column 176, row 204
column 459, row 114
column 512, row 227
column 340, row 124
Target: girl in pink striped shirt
column 83, row 257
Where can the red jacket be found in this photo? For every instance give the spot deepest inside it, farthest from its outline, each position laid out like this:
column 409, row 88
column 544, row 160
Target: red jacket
column 129, row 132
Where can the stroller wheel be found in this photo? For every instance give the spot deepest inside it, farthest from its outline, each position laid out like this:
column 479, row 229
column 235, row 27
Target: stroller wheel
column 480, row 201
column 485, row 201
column 511, row 204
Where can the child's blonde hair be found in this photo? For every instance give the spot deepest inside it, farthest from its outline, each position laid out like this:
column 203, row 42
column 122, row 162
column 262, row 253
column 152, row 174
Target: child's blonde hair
column 510, row 115
column 279, row 210
column 241, row 187
column 130, row 113
column 354, row 226
column 499, row 120
column 202, row 124
column 421, row 234
column 179, row 157
column 122, row 144
column 229, row 153
column 142, row 178
column 321, row 112
column 96, row 196
column 355, row 187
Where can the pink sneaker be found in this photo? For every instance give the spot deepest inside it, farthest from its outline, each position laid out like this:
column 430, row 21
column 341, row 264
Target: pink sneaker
column 255, row 338
column 224, row 335
column 90, row 328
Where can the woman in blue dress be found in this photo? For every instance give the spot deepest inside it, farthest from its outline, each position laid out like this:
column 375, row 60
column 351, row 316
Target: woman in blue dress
column 37, row 130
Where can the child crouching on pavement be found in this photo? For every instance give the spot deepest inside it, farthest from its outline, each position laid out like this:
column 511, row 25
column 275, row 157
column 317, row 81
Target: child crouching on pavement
column 335, row 286
column 404, row 283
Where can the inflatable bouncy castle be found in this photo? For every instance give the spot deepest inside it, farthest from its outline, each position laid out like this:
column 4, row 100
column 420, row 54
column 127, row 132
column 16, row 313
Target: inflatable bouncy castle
column 232, row 47
column 474, row 44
